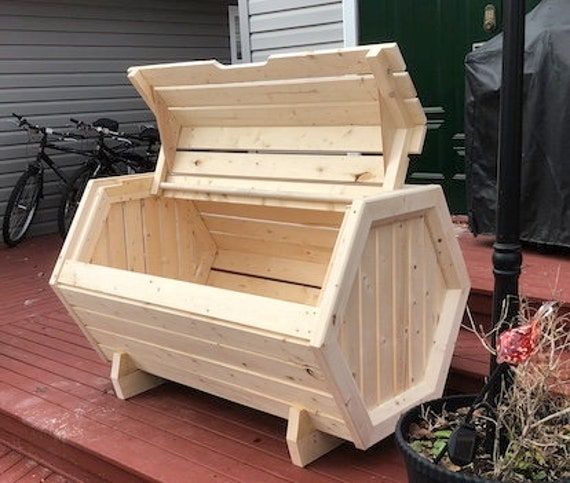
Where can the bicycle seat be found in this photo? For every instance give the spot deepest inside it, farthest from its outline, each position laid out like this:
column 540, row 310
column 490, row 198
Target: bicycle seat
column 149, row 134
column 107, row 123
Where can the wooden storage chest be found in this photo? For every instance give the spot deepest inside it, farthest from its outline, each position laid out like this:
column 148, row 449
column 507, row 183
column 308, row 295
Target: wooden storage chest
column 275, row 258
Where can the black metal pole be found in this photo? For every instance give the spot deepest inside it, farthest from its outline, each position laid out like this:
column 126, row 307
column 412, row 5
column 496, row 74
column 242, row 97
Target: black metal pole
column 507, row 257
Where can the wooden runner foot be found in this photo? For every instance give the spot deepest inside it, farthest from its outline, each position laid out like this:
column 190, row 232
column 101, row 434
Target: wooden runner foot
column 128, row 380
column 305, row 442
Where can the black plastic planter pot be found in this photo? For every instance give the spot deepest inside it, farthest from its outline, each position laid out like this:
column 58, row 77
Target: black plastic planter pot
column 420, row 469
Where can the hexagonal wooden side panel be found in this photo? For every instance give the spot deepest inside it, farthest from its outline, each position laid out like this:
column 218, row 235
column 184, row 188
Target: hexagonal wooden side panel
column 397, row 321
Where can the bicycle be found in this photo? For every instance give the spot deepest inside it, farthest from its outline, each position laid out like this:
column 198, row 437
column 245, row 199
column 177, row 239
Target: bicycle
column 106, row 161
column 25, row 197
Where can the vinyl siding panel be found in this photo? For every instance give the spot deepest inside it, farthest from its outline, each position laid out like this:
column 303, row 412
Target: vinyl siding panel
column 68, row 58
column 277, row 26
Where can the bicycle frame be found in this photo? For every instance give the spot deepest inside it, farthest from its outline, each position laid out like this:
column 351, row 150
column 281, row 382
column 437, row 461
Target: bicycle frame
column 43, row 158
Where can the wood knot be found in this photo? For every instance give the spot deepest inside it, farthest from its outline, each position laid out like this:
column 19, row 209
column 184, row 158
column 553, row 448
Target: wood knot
column 310, row 371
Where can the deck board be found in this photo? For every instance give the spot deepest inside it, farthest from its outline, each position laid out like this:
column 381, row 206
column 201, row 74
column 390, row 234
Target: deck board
column 16, row 467
column 53, row 385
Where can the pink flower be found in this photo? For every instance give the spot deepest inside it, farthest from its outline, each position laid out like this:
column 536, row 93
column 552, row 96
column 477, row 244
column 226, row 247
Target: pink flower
column 516, row 345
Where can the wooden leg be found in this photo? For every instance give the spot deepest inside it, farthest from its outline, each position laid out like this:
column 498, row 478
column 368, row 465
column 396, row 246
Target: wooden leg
column 306, row 443
column 128, row 381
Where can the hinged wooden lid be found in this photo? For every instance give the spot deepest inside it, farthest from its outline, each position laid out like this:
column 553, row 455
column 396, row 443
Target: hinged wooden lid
column 322, row 125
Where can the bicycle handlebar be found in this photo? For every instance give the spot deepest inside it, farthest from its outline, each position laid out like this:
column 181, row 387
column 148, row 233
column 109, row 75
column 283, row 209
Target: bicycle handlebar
column 47, row 131
column 118, row 136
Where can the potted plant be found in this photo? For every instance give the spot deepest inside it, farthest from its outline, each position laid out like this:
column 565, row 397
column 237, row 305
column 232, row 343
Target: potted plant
column 447, row 439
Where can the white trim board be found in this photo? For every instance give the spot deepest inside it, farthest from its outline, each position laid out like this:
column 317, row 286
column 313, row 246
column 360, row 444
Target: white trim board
column 350, row 22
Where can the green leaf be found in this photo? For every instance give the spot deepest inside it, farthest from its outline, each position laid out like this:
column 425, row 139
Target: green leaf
column 539, row 475
column 438, row 446
column 417, row 446
column 523, row 465
column 443, row 433
column 538, row 456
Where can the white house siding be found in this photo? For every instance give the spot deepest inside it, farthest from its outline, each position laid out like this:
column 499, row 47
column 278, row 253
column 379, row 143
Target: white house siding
column 277, row 26
column 64, row 58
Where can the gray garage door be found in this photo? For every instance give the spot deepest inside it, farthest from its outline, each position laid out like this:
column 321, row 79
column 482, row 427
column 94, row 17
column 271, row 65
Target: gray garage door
column 63, row 58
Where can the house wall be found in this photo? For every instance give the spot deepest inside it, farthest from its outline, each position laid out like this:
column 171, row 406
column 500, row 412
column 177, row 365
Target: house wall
column 68, row 58
column 276, row 26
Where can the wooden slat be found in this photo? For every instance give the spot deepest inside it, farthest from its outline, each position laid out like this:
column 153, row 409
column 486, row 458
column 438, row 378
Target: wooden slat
column 350, row 333
column 169, row 128
column 151, row 236
column 432, row 300
column 266, row 288
column 272, row 231
column 283, row 66
column 116, row 235
column 401, row 313
column 196, row 248
column 350, row 88
column 311, row 217
column 329, row 114
column 359, row 169
column 415, row 110
column 404, row 85
column 271, row 188
column 365, row 139
column 394, row 113
column 337, row 204
column 134, row 241
column 254, row 312
column 109, row 326
column 417, row 257
column 294, row 251
column 367, row 317
column 233, row 392
column 312, row 399
column 188, row 252
column 101, row 251
column 283, row 269
column 385, row 275
column 218, row 332
column 168, row 239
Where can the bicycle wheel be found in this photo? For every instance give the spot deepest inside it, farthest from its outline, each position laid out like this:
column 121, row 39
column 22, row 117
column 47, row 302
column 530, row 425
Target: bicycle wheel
column 21, row 208
column 71, row 196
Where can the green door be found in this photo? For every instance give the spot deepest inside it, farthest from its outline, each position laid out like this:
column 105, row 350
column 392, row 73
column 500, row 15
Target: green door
column 435, row 36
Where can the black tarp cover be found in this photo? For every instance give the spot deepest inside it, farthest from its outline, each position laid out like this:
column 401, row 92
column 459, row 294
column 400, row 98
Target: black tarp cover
column 545, row 200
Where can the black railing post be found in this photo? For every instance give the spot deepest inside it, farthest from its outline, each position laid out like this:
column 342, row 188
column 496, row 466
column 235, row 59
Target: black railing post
column 507, row 258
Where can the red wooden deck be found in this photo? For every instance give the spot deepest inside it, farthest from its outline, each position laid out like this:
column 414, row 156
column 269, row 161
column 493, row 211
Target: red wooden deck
column 16, row 467
column 57, row 406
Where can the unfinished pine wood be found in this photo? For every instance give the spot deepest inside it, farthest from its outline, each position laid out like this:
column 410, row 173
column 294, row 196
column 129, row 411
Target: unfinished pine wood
column 353, row 88
column 304, row 441
column 116, row 237
column 134, row 241
column 291, row 292
column 345, row 168
column 272, row 231
column 363, row 139
column 311, row 217
column 307, row 396
column 275, row 258
column 344, row 101
column 280, row 188
column 386, row 332
column 329, row 114
column 283, row 66
column 127, row 379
